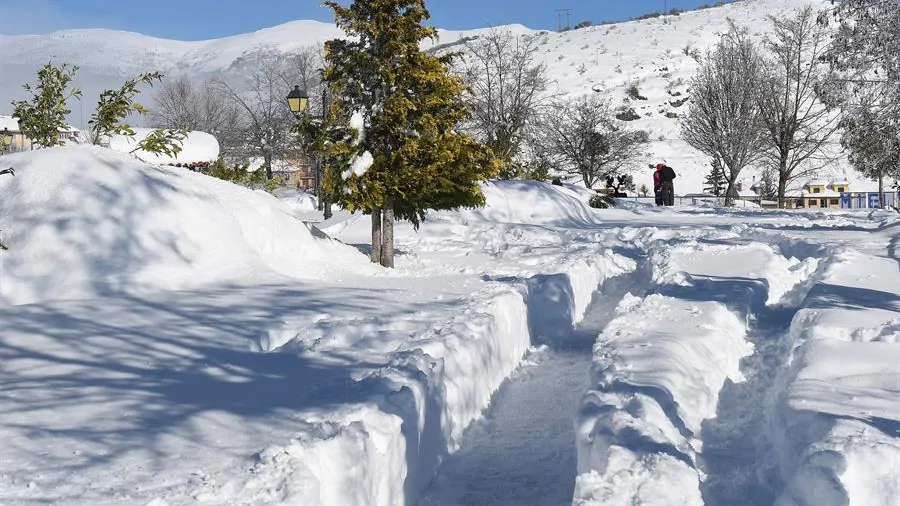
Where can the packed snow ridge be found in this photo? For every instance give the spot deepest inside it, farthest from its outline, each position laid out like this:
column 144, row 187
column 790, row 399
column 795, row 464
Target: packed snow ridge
column 171, row 339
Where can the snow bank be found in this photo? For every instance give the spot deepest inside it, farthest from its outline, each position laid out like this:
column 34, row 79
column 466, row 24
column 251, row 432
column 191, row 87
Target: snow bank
column 345, row 391
column 196, row 147
column 835, row 419
column 531, row 202
column 686, row 263
column 85, row 220
column 658, row 369
column 441, row 380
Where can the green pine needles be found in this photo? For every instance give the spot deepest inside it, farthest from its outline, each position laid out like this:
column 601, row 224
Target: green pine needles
column 411, row 105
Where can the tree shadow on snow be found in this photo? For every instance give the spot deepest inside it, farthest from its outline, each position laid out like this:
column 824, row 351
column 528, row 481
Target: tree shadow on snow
column 131, row 375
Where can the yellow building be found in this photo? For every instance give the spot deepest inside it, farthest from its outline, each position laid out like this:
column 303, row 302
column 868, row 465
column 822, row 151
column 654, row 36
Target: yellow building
column 12, row 139
column 818, row 194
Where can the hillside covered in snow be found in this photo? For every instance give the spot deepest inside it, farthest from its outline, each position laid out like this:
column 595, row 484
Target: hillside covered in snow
column 658, row 56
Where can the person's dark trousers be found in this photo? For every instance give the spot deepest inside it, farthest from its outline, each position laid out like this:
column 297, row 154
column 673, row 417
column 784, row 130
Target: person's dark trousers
column 668, row 193
column 658, row 195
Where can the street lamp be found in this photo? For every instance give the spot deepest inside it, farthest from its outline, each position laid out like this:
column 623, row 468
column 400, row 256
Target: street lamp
column 298, row 102
column 6, row 139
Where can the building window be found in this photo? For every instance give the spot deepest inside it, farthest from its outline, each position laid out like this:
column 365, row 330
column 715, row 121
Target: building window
column 816, row 189
column 813, row 202
column 840, row 189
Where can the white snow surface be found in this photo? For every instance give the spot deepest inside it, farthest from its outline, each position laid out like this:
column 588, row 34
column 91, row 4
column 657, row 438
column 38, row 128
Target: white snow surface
column 172, row 339
column 88, row 221
column 196, row 147
column 359, row 165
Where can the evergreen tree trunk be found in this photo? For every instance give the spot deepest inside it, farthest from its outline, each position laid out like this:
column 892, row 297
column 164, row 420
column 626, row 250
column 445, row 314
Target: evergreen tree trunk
column 376, row 235
column 387, row 235
column 880, row 188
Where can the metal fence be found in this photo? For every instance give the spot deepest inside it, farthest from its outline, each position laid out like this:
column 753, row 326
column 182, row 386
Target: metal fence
column 688, row 200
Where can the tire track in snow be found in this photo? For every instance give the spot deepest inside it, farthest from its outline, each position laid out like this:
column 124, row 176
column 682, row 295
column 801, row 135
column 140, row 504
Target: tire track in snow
column 523, row 452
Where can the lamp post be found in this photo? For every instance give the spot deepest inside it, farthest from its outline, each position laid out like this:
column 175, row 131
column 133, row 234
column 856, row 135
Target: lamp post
column 298, row 102
column 6, row 139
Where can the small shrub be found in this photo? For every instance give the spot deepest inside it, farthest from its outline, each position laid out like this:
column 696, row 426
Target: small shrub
column 671, row 115
column 600, row 201
column 678, row 103
column 627, row 114
column 584, row 24
column 238, row 174
column 633, row 92
column 649, row 15
column 556, row 181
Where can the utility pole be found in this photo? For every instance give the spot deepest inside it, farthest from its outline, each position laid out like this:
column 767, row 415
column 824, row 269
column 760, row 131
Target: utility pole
column 559, row 12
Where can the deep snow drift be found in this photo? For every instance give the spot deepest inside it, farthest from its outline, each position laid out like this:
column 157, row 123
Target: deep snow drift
column 84, row 220
column 176, row 340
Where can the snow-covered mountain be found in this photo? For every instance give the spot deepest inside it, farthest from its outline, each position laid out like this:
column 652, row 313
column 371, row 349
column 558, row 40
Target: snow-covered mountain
column 657, row 55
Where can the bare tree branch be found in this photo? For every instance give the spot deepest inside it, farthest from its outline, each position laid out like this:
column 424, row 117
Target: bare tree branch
column 799, row 126
column 506, row 82
column 724, row 120
column 583, row 138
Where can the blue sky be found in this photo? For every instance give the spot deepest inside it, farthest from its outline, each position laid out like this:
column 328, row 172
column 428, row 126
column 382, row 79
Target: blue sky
column 205, row 19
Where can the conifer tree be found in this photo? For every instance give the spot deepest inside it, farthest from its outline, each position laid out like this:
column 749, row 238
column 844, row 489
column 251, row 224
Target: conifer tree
column 716, row 180
column 406, row 155
column 43, row 117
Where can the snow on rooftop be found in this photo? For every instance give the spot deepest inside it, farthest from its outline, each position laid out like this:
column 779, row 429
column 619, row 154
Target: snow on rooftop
column 9, row 123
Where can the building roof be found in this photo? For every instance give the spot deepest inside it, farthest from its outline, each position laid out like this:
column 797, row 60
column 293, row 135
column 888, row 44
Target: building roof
column 9, row 123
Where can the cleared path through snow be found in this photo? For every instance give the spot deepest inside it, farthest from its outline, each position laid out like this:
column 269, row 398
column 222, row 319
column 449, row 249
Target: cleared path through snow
column 523, row 451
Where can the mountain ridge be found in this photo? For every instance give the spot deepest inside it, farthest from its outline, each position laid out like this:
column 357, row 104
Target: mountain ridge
column 656, row 55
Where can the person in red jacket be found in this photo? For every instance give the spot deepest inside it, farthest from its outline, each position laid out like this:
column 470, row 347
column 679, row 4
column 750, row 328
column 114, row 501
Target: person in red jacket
column 657, row 184
column 667, row 176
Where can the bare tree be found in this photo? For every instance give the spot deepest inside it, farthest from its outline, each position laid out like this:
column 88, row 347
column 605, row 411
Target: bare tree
column 724, row 119
column 265, row 120
column 506, row 82
column 583, row 138
column 182, row 106
column 799, row 126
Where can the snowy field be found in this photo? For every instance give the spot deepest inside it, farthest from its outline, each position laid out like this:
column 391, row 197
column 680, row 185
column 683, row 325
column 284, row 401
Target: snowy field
column 170, row 339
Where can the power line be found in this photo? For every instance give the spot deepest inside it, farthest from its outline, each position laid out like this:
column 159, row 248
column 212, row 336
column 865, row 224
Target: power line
column 559, row 12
